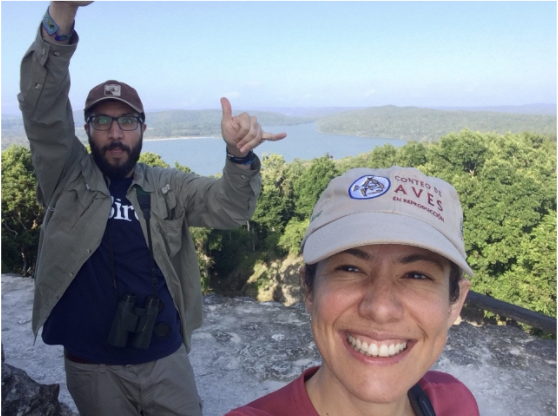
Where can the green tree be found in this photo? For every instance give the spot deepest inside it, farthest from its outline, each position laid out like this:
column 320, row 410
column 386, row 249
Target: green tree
column 153, row 159
column 201, row 236
column 275, row 203
column 21, row 213
column 311, row 183
column 413, row 154
column 182, row 168
column 294, row 233
column 463, row 152
column 507, row 186
column 531, row 280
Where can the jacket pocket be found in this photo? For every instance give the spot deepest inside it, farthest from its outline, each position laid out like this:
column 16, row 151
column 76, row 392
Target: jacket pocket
column 170, row 217
column 71, row 206
column 172, row 235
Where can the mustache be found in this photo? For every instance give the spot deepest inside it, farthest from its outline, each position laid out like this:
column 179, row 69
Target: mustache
column 116, row 145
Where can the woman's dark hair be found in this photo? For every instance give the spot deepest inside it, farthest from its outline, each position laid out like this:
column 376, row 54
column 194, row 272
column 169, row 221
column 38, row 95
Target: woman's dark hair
column 456, row 274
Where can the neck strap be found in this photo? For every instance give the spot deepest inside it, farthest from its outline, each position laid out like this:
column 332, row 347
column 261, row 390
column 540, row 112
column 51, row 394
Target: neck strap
column 144, row 199
column 420, row 402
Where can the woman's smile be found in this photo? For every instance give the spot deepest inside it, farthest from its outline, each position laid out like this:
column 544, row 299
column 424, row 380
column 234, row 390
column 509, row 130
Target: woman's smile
column 373, row 348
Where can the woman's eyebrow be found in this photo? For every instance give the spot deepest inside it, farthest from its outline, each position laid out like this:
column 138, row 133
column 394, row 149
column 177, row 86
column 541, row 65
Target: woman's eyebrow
column 358, row 253
column 412, row 258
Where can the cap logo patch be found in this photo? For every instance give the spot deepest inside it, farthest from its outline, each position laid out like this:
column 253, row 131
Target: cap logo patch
column 368, row 187
column 112, row 90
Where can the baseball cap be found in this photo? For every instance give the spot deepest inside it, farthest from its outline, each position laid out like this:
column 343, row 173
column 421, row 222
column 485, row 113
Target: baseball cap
column 386, row 206
column 114, row 90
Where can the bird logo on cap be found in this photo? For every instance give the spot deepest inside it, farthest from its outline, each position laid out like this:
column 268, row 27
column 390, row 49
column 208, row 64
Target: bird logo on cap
column 113, row 90
column 368, row 187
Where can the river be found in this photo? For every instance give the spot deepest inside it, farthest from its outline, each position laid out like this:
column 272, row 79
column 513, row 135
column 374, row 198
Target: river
column 205, row 156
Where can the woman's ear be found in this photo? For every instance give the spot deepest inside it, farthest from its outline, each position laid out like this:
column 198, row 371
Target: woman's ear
column 455, row 308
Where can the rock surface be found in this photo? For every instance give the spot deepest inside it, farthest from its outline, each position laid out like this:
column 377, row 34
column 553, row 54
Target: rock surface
column 246, row 349
column 23, row 396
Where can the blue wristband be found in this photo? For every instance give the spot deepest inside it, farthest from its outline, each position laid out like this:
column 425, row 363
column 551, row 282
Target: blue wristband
column 52, row 28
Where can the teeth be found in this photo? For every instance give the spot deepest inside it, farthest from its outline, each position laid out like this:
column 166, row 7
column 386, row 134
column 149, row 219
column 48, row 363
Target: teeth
column 374, row 349
column 384, row 351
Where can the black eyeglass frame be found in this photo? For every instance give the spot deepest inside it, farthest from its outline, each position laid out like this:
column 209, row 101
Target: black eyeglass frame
column 113, row 119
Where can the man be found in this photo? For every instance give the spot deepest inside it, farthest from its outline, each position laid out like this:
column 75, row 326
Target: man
column 117, row 280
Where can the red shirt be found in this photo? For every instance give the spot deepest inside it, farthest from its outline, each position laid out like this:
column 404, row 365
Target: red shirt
column 448, row 396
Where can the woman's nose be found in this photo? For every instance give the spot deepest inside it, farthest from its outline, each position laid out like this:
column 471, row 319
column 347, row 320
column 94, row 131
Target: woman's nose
column 381, row 300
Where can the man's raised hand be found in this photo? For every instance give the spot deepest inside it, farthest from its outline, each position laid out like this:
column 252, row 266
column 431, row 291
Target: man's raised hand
column 63, row 13
column 243, row 133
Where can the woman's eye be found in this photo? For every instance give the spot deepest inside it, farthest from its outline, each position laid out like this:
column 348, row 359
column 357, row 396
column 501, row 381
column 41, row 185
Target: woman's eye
column 348, row 268
column 416, row 276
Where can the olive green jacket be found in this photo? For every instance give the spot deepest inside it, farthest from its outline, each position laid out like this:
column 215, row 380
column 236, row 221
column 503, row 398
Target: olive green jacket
column 77, row 200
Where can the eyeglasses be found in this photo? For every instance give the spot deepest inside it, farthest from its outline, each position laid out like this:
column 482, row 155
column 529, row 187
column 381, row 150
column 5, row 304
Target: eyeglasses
column 103, row 122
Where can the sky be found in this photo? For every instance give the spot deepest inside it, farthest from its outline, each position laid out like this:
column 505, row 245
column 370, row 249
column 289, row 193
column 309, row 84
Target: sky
column 186, row 55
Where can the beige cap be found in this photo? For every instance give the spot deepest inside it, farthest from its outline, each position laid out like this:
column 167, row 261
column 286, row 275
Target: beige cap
column 386, row 206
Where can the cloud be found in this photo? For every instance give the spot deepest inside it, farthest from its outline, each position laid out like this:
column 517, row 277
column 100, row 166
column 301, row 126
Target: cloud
column 369, row 92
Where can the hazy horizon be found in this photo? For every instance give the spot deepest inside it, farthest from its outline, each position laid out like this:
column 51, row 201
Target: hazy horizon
column 285, row 110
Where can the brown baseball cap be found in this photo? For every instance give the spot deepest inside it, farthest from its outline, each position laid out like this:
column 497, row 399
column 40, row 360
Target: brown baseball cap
column 114, row 90
column 386, row 206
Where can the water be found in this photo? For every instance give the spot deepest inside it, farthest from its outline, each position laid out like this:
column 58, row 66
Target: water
column 206, row 155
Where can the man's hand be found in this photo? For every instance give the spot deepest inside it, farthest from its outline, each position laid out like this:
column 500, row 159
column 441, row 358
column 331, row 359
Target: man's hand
column 63, row 13
column 243, row 133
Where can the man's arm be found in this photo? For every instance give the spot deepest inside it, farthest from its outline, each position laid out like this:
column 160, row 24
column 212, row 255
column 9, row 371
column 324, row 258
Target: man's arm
column 229, row 201
column 44, row 103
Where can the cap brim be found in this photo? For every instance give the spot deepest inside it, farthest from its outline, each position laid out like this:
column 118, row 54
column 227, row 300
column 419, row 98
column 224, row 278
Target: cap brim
column 112, row 98
column 378, row 228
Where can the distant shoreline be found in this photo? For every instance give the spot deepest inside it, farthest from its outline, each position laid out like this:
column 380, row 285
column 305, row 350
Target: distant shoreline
column 182, row 138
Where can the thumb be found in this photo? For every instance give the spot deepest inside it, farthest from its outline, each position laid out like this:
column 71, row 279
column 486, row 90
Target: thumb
column 227, row 109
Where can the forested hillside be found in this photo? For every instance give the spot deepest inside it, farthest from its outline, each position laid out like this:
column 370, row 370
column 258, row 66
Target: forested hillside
column 426, row 125
column 507, row 185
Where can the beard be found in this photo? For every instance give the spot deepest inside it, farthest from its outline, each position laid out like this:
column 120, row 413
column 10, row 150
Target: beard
column 118, row 170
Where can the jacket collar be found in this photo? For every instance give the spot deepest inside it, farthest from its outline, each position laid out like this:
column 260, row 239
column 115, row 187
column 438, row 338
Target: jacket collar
column 141, row 178
column 96, row 181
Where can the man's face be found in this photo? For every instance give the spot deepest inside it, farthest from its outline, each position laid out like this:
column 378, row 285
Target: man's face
column 115, row 151
column 380, row 317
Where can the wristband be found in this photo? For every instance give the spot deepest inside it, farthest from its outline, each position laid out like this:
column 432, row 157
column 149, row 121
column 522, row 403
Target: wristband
column 52, row 28
column 244, row 160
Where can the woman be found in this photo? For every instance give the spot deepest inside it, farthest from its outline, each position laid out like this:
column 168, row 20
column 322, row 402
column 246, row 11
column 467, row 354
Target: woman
column 384, row 260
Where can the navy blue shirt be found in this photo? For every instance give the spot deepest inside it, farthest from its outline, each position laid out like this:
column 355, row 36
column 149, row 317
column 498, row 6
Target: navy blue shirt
column 82, row 319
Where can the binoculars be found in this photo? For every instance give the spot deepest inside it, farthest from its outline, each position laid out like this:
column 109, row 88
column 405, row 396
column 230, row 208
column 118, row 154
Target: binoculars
column 132, row 323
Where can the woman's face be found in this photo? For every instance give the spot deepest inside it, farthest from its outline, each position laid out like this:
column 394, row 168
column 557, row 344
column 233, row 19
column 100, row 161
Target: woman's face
column 380, row 317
